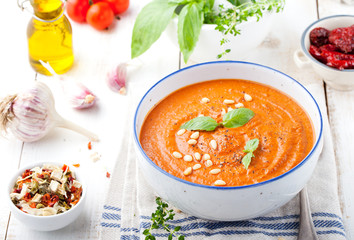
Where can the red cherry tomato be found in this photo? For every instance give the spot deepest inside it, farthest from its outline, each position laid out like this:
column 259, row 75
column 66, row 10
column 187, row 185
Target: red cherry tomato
column 118, row 6
column 77, row 9
column 100, row 15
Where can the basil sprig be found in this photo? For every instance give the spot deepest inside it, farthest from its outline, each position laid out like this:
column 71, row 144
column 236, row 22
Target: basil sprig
column 233, row 119
column 250, row 147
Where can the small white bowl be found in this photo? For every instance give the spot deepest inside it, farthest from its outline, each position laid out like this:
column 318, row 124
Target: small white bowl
column 228, row 203
column 46, row 223
column 338, row 79
column 208, row 46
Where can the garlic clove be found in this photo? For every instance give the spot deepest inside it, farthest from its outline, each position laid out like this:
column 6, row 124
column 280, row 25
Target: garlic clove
column 116, row 79
column 79, row 96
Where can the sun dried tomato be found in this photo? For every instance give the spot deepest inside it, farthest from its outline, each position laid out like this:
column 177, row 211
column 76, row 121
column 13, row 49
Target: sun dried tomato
column 319, row 36
column 45, row 199
column 73, row 189
column 26, row 173
column 65, row 167
column 27, row 197
column 337, row 53
column 316, row 53
column 328, row 51
column 17, row 190
column 340, row 64
column 53, row 200
column 343, row 38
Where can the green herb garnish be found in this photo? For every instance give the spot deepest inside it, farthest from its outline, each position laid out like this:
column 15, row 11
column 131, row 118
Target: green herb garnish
column 237, row 117
column 233, row 119
column 159, row 219
column 250, row 147
column 192, row 14
column 201, row 123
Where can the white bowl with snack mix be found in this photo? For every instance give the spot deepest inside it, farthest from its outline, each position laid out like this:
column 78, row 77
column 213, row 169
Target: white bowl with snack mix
column 46, row 196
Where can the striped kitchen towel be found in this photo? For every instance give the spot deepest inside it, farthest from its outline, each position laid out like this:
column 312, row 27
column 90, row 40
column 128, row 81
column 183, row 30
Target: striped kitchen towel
column 130, row 202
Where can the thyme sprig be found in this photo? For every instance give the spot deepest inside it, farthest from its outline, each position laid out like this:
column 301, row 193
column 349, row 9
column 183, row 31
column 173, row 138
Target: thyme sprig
column 227, row 20
column 159, row 219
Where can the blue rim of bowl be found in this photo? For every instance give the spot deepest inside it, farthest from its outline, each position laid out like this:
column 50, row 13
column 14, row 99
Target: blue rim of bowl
column 136, row 139
column 32, row 165
column 306, row 51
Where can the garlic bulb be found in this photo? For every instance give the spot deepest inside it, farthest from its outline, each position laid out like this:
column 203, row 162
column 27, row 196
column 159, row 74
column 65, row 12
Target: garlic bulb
column 77, row 94
column 116, row 79
column 30, row 115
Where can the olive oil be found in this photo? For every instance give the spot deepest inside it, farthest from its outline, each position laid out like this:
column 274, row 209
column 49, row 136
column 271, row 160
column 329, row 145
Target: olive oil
column 49, row 37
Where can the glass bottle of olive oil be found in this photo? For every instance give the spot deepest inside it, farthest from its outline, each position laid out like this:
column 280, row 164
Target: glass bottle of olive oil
column 49, row 37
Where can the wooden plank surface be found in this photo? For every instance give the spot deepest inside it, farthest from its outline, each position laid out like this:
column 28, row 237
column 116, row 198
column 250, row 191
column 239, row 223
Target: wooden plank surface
column 98, row 52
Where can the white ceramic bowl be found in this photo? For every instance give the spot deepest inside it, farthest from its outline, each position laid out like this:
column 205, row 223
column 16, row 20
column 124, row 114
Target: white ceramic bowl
column 228, row 203
column 337, row 79
column 46, row 223
column 208, row 46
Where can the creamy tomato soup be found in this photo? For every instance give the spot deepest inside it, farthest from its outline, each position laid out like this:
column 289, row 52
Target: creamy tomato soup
column 283, row 128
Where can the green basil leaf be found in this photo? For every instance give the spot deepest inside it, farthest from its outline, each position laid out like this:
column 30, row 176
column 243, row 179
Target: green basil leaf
column 150, row 23
column 246, row 160
column 251, row 145
column 237, row 117
column 190, row 21
column 201, row 123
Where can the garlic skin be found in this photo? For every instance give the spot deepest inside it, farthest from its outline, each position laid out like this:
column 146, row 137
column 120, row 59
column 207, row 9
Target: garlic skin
column 78, row 96
column 31, row 114
column 116, row 79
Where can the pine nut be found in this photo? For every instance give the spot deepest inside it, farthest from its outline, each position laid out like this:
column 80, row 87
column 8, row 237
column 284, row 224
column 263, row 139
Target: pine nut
column 247, row 97
column 208, row 163
column 223, row 112
column 205, row 100
column 177, row 155
column 219, row 183
column 215, row 171
column 181, row 132
column 197, row 166
column 188, row 171
column 197, row 156
column 239, row 105
column 213, row 144
column 195, row 135
column 229, row 101
column 192, row 141
column 229, row 109
column 188, row 158
column 206, row 157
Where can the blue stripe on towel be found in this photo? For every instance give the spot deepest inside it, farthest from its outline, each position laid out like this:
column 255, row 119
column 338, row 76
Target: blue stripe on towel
column 111, row 208
column 111, row 216
column 110, row 225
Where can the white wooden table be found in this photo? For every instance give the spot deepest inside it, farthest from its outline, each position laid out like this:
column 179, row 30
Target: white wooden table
column 95, row 54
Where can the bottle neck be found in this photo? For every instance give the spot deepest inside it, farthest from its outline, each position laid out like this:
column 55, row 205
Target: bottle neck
column 47, row 9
